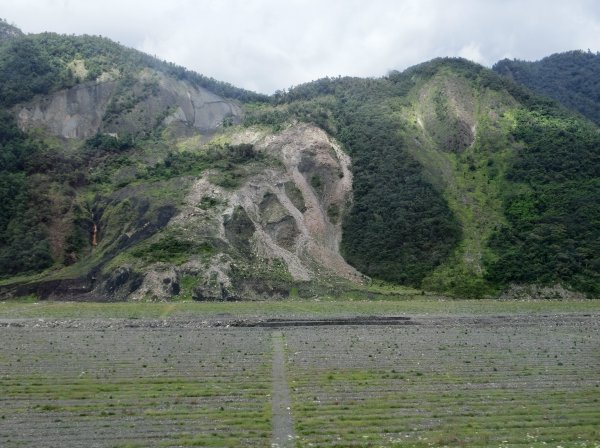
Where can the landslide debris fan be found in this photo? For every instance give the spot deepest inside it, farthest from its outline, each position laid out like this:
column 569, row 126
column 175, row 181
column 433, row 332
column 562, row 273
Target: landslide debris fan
column 127, row 177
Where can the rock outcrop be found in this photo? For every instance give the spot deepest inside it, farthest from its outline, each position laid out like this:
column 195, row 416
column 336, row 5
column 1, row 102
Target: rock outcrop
column 84, row 110
column 73, row 113
column 285, row 218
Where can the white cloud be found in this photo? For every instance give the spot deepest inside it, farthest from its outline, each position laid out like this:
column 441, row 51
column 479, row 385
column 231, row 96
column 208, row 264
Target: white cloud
column 472, row 52
column 266, row 45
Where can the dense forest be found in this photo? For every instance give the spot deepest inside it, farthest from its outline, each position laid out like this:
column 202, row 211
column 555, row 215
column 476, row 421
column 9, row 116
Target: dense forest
column 400, row 227
column 554, row 209
column 22, row 236
column 572, row 78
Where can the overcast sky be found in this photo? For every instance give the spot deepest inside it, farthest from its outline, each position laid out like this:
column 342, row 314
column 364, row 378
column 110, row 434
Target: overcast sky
column 265, row 45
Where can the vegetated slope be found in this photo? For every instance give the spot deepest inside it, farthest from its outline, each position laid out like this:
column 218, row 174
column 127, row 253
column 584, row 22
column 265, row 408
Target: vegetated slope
column 126, row 177
column 85, row 87
column 464, row 182
column 43, row 63
column 572, row 78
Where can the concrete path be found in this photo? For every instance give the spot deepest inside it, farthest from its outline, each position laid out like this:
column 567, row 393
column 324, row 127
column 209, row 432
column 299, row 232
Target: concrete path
column 283, row 424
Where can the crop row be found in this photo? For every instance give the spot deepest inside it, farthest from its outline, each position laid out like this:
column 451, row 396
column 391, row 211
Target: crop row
column 135, row 388
column 481, row 384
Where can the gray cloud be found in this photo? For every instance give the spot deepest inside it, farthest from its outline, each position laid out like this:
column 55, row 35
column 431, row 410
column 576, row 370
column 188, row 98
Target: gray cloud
column 266, row 45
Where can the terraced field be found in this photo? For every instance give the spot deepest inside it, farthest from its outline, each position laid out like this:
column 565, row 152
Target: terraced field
column 449, row 379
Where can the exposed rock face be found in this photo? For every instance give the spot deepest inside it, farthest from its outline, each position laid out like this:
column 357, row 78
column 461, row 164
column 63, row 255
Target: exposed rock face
column 306, row 238
column 196, row 106
column 81, row 111
column 278, row 217
column 158, row 284
column 281, row 227
column 73, row 113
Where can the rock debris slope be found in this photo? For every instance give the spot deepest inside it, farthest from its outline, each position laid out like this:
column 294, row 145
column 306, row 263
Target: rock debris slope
column 284, row 217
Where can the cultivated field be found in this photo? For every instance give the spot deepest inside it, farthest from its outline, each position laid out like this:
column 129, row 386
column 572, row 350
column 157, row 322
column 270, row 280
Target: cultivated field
column 456, row 382
column 449, row 374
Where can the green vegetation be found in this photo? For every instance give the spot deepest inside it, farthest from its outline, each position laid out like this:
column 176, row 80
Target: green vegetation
column 171, row 249
column 402, row 304
column 23, row 237
column 554, row 206
column 232, row 163
column 39, row 64
column 464, row 182
column 108, row 143
column 52, row 192
column 570, row 78
column 27, row 69
column 399, row 227
column 434, row 205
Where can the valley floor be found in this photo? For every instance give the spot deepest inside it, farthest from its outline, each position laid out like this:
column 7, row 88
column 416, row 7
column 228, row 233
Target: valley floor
column 414, row 373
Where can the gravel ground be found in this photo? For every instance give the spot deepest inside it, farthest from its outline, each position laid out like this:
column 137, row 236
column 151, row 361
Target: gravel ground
column 510, row 380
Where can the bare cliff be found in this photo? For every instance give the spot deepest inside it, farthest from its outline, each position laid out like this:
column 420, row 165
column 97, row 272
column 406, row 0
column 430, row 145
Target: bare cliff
column 114, row 105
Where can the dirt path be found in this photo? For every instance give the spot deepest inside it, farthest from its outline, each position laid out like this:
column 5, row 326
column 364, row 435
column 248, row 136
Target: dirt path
column 283, row 424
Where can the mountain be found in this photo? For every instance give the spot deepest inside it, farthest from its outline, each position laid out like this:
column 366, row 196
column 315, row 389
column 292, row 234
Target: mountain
column 125, row 177
column 572, row 78
column 464, row 182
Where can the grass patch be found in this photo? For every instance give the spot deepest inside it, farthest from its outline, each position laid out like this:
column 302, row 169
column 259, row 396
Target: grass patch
column 171, row 249
column 491, row 385
column 300, row 308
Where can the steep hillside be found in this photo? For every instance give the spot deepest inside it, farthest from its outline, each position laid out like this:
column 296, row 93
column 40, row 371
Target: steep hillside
column 464, row 182
column 124, row 177
column 572, row 78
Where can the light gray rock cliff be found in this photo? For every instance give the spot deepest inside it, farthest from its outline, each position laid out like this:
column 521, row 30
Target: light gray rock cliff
column 79, row 112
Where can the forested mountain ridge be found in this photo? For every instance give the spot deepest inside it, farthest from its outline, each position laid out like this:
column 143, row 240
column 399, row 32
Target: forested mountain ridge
column 125, row 177
column 508, row 179
column 572, row 78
